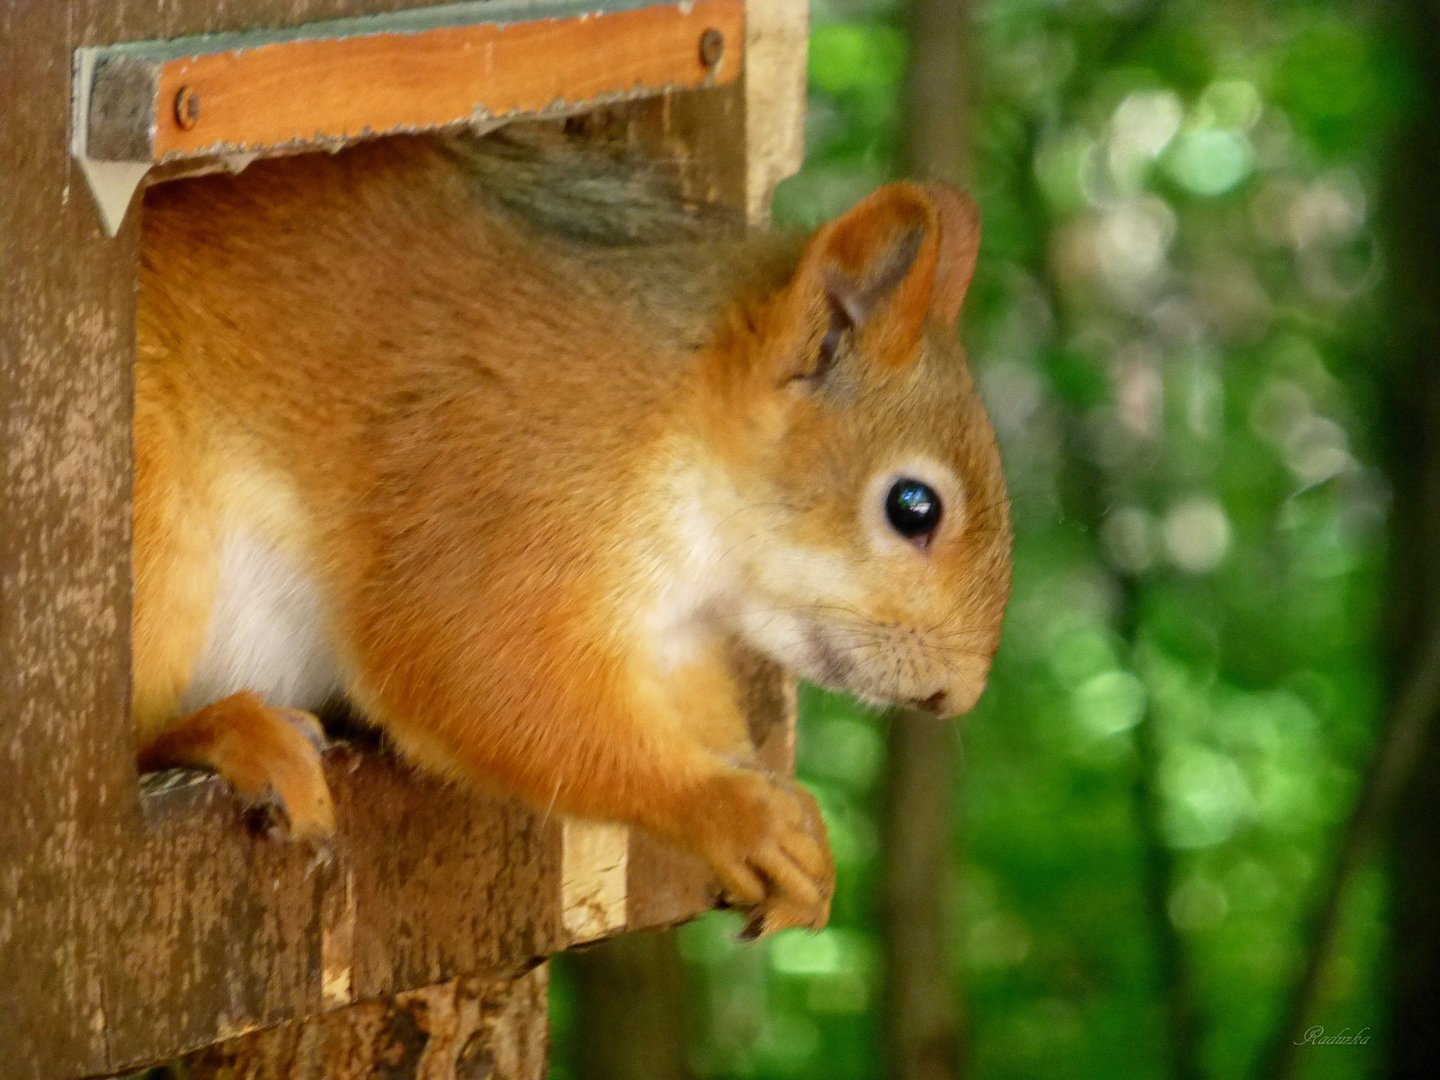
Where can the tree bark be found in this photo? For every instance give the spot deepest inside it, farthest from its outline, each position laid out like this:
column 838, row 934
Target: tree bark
column 922, row 1021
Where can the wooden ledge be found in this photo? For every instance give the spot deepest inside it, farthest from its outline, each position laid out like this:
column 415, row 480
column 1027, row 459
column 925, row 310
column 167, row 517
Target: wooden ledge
column 229, row 932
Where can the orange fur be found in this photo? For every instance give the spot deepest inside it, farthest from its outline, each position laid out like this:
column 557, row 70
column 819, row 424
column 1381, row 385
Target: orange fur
column 541, row 476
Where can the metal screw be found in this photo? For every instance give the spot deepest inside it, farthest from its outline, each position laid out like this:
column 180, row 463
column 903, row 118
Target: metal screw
column 187, row 108
column 712, row 47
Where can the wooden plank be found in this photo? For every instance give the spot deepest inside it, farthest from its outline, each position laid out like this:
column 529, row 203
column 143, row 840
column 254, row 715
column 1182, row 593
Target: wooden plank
column 65, row 316
column 228, row 932
column 733, row 144
column 777, row 34
column 594, row 881
column 333, row 82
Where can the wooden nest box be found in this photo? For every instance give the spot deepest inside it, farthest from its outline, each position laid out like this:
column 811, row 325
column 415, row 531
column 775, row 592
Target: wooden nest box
column 140, row 924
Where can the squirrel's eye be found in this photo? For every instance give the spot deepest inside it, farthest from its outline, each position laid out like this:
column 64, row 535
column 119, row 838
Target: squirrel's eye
column 913, row 510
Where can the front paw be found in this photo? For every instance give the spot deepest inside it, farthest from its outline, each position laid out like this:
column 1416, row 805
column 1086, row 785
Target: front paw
column 287, row 796
column 269, row 756
column 765, row 839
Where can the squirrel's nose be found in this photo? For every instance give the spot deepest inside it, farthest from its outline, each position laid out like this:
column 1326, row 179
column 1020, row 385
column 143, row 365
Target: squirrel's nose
column 944, row 703
column 961, row 694
column 935, row 703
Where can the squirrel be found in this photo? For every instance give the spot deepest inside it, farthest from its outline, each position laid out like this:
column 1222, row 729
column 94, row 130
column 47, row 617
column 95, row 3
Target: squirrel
column 505, row 445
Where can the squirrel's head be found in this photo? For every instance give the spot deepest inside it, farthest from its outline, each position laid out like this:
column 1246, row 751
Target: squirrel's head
column 868, row 521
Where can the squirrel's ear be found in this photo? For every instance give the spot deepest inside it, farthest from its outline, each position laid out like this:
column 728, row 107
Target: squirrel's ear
column 959, row 220
column 902, row 255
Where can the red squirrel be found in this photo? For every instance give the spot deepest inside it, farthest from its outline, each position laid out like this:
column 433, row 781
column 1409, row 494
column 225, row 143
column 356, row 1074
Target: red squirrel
column 504, row 445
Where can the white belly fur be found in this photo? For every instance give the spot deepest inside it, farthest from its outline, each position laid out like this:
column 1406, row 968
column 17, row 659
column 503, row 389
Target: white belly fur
column 267, row 632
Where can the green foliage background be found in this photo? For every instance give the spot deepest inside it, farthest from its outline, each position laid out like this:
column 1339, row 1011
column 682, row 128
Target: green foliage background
column 1178, row 282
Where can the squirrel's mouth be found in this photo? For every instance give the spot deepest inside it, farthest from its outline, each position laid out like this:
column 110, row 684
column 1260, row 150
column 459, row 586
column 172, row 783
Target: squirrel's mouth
column 831, row 666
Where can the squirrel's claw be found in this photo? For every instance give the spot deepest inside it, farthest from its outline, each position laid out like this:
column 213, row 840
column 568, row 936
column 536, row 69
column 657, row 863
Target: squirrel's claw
column 768, row 846
column 295, row 802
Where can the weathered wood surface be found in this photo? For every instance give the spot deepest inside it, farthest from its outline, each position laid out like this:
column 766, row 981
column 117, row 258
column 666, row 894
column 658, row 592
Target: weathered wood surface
column 466, row 1028
column 132, row 930
column 256, row 91
column 64, row 540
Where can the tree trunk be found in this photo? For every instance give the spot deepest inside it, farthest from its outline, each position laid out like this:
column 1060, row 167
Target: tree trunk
column 922, row 1021
column 936, row 143
column 923, row 1033
column 631, row 994
column 1413, row 426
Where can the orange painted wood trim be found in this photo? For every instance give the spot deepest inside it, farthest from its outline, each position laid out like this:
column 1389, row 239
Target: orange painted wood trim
column 311, row 90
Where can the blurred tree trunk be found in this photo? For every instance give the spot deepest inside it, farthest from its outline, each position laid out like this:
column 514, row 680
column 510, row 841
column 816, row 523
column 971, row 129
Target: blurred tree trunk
column 1413, row 425
column 936, row 142
column 1400, row 792
column 1176, row 982
column 922, row 1019
column 631, row 995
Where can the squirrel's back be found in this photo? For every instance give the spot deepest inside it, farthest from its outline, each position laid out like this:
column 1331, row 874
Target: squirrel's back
column 393, row 275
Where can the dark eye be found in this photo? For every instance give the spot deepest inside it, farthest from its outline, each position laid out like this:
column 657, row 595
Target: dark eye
column 913, row 509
